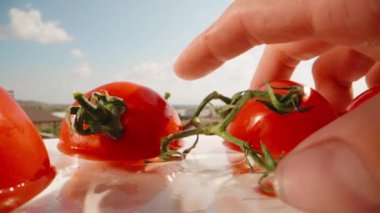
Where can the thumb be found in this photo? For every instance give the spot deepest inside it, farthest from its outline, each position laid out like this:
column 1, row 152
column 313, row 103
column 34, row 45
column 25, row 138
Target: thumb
column 337, row 168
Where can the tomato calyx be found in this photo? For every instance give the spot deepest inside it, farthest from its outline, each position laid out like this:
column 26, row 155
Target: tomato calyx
column 100, row 113
column 281, row 103
column 285, row 104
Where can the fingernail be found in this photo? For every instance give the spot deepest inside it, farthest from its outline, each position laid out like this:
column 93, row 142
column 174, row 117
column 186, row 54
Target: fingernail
column 328, row 176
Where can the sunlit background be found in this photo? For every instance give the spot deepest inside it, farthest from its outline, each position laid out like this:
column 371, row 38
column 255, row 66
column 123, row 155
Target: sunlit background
column 50, row 48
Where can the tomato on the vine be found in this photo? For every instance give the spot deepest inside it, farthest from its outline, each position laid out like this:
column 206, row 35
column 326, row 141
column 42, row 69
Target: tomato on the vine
column 363, row 97
column 280, row 133
column 25, row 168
column 121, row 121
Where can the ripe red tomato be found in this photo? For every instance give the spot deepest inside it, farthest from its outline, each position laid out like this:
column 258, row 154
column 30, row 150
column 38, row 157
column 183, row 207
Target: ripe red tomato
column 363, row 97
column 280, row 133
column 147, row 118
column 25, row 168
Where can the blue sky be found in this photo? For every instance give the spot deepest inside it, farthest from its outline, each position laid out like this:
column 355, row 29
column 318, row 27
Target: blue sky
column 50, row 48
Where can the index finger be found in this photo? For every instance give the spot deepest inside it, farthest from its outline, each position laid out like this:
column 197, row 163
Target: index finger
column 247, row 23
column 241, row 27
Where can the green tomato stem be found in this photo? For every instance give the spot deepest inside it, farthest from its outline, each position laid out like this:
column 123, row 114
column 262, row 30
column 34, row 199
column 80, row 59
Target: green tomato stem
column 186, row 133
column 212, row 96
column 84, row 103
column 101, row 116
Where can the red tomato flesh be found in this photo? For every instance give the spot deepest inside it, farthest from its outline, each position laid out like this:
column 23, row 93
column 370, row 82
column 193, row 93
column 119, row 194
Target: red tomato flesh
column 147, row 119
column 25, row 168
column 280, row 133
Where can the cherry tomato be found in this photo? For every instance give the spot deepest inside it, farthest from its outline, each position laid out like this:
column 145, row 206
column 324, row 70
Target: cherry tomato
column 280, row 133
column 363, row 97
column 25, row 168
column 146, row 119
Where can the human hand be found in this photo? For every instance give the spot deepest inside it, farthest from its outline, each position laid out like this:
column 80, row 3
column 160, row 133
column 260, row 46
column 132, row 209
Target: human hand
column 345, row 34
column 336, row 168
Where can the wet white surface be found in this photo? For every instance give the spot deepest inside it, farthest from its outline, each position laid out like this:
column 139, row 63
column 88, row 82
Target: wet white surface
column 209, row 180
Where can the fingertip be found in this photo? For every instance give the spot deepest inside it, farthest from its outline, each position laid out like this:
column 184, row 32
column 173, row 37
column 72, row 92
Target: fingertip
column 327, row 177
column 181, row 72
column 196, row 61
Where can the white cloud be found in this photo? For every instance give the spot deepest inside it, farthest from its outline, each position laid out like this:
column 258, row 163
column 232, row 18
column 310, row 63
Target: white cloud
column 77, row 53
column 28, row 25
column 83, row 70
column 235, row 75
column 232, row 77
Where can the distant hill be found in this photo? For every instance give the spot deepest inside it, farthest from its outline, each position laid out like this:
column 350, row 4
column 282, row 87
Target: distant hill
column 187, row 109
column 62, row 107
column 42, row 105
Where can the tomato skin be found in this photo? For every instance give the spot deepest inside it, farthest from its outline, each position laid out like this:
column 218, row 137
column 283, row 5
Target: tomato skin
column 363, row 97
column 25, row 168
column 147, row 119
column 280, row 133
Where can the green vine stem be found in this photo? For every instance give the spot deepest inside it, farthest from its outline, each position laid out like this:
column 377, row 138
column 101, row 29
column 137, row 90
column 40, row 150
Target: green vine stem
column 212, row 96
column 280, row 103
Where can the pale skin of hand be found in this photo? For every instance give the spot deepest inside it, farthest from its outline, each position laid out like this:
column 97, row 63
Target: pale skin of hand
column 344, row 35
